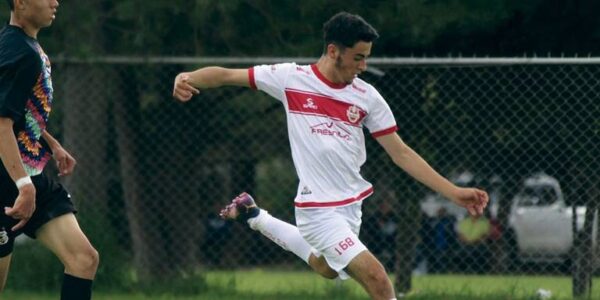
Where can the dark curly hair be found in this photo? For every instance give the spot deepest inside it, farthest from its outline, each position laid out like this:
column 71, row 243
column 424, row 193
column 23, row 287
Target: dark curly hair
column 11, row 4
column 345, row 29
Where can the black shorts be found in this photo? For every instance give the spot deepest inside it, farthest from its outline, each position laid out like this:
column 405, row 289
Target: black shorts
column 51, row 201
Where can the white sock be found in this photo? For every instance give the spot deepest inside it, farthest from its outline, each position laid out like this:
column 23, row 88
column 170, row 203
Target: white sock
column 283, row 234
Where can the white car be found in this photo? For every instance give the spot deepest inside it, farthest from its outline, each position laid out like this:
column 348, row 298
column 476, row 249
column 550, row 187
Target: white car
column 541, row 221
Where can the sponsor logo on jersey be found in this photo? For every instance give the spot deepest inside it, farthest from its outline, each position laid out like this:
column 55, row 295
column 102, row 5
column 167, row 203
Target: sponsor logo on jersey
column 331, row 129
column 310, row 103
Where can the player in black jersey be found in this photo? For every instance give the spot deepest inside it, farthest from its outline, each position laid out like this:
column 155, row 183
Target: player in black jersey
column 34, row 203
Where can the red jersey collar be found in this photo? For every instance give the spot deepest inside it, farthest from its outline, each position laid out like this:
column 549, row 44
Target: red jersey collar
column 325, row 80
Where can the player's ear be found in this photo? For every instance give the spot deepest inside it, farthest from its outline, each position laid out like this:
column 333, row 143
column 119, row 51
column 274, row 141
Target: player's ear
column 332, row 51
column 19, row 4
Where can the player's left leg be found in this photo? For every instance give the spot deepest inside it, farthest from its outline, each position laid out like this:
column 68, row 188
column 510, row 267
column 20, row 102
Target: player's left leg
column 63, row 236
column 319, row 265
column 7, row 242
column 4, row 267
column 288, row 237
column 243, row 208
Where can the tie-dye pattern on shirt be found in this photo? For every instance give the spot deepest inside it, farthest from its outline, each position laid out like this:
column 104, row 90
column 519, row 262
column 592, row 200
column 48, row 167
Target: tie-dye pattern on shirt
column 38, row 107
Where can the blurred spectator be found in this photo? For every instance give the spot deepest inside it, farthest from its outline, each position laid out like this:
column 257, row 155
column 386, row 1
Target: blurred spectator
column 424, row 250
column 473, row 232
column 216, row 235
column 380, row 233
column 495, row 230
column 444, row 240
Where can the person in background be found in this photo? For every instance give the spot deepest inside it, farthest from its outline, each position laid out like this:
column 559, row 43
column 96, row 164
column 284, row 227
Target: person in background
column 444, row 240
column 473, row 232
column 381, row 233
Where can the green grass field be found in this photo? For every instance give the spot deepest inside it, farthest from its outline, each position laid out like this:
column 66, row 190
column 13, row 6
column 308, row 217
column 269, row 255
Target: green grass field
column 283, row 285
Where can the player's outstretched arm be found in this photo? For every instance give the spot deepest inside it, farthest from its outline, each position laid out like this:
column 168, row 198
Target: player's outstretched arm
column 474, row 200
column 188, row 84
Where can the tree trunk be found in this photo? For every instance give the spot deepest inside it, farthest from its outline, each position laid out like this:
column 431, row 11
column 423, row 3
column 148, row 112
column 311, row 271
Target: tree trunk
column 138, row 208
column 588, row 177
column 501, row 260
column 406, row 240
column 583, row 255
column 85, row 137
column 179, row 198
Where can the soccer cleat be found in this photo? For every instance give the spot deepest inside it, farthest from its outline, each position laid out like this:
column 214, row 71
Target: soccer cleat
column 241, row 208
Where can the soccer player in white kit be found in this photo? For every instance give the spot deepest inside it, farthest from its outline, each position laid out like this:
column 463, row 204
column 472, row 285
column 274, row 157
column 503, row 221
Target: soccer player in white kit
column 327, row 106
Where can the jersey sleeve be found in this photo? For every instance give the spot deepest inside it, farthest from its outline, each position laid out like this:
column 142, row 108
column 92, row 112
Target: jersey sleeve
column 271, row 79
column 380, row 119
column 16, row 85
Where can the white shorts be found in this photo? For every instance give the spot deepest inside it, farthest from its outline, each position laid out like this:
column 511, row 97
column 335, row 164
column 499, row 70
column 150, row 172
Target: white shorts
column 333, row 231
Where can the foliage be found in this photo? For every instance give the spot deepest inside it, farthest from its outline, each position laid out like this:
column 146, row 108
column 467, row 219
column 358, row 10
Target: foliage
column 34, row 268
column 292, row 28
column 272, row 284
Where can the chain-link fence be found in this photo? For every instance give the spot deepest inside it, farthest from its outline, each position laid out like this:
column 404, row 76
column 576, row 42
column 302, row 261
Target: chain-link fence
column 153, row 173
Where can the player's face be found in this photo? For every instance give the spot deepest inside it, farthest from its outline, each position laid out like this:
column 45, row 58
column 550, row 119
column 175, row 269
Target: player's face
column 352, row 61
column 40, row 13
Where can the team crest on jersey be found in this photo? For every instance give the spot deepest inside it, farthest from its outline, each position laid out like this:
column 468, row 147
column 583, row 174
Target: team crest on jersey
column 3, row 236
column 353, row 114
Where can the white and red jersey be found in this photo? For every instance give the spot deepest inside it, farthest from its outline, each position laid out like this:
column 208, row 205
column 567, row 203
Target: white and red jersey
column 325, row 127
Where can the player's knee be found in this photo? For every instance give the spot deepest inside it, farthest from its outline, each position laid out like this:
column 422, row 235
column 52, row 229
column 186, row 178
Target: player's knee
column 94, row 258
column 91, row 259
column 383, row 280
column 378, row 277
column 84, row 261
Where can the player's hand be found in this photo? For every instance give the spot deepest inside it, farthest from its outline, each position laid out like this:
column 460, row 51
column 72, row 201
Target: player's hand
column 24, row 206
column 474, row 200
column 64, row 161
column 182, row 89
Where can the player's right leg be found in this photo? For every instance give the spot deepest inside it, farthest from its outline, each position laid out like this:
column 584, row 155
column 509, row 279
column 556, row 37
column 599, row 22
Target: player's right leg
column 333, row 231
column 54, row 225
column 371, row 274
column 243, row 208
column 63, row 236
